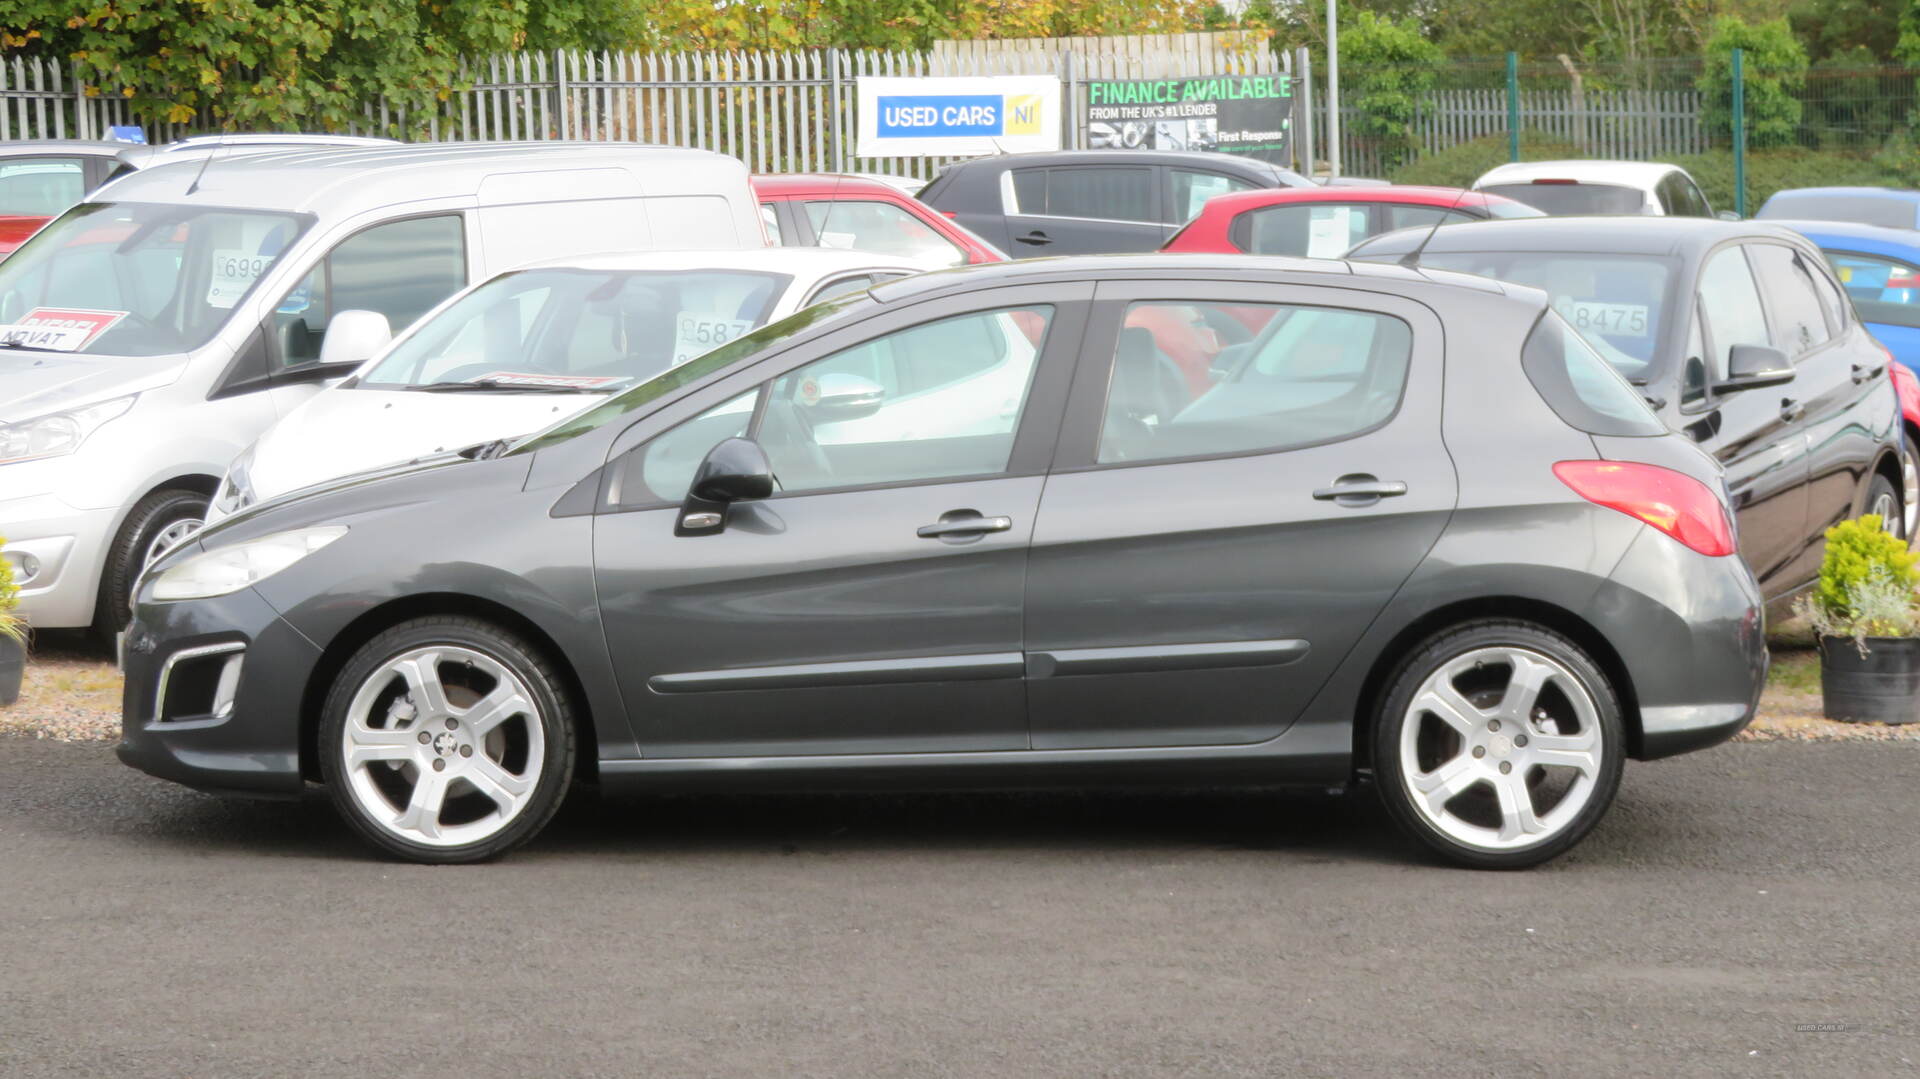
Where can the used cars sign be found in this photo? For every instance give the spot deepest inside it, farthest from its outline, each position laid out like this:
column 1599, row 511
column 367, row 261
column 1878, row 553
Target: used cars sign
column 958, row 117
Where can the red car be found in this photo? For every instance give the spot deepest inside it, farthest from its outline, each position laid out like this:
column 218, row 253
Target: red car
column 1323, row 222
column 1908, row 387
column 863, row 214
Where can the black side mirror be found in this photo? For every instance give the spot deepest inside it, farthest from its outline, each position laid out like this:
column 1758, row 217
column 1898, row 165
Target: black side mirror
column 1753, row 367
column 734, row 471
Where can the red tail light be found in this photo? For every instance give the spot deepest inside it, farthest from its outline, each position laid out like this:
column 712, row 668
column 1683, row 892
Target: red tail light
column 1676, row 504
column 952, row 214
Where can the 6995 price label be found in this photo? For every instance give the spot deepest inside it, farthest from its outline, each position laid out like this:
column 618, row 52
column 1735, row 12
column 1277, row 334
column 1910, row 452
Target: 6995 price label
column 233, row 273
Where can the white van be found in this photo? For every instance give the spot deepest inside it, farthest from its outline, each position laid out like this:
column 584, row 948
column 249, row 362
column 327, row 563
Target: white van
column 150, row 334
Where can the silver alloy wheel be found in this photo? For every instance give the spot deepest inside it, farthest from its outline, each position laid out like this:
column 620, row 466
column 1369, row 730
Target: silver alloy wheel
column 172, row 536
column 1478, row 762
column 1885, row 508
column 1909, row 489
column 415, row 746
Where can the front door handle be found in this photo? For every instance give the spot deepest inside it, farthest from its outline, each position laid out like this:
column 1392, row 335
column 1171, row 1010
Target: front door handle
column 1863, row 373
column 1036, row 238
column 1360, row 489
column 1791, row 410
column 956, row 523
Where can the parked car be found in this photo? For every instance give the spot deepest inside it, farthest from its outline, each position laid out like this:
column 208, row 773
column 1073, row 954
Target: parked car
column 1880, row 207
column 40, row 179
column 1104, row 578
column 1560, row 188
column 532, row 346
column 1323, row 222
column 857, row 213
column 153, row 334
column 1740, row 336
column 1081, row 202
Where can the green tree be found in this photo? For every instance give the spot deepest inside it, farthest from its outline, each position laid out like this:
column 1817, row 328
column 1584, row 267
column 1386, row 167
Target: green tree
column 267, row 64
column 1392, row 66
column 1775, row 69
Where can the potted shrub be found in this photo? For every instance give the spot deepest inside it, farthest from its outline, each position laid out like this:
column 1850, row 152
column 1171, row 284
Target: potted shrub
column 1866, row 617
column 13, row 635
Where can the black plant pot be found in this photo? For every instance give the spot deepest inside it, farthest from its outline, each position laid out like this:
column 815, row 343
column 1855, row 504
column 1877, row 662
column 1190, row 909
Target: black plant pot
column 13, row 667
column 1882, row 686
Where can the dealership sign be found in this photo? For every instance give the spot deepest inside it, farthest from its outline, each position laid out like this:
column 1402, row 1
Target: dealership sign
column 1232, row 114
column 958, row 117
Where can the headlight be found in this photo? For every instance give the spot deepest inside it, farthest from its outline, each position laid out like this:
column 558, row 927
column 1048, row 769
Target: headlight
column 229, row 569
column 236, row 488
column 56, row 433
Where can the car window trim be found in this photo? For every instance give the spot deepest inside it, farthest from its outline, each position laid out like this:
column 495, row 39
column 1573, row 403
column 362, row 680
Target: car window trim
column 1078, row 446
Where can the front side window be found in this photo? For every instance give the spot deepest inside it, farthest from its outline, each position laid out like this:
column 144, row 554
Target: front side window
column 138, row 279
column 400, row 270
column 41, row 186
column 942, row 399
column 880, row 227
column 590, row 330
column 1883, row 290
column 1730, row 304
column 1191, row 190
column 1091, row 191
column 1195, row 380
column 1794, row 299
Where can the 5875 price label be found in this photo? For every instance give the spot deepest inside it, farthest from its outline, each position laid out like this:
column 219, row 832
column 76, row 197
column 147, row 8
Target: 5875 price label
column 695, row 334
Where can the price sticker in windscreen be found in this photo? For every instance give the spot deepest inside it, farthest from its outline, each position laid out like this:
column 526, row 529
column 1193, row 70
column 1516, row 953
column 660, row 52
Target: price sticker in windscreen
column 1617, row 319
column 234, row 271
column 694, row 334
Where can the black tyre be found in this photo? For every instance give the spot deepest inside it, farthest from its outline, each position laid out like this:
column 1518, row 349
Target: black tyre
column 157, row 523
column 1883, row 498
column 447, row 739
column 1498, row 744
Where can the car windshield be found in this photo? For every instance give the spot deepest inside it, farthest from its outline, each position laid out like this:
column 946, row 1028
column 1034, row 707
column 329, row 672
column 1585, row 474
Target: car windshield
column 588, row 330
column 137, row 279
column 1563, row 198
column 1617, row 302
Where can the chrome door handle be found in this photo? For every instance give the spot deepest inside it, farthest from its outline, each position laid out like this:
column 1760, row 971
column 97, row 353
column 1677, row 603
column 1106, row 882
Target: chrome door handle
column 952, row 524
column 1360, row 489
column 1791, row 410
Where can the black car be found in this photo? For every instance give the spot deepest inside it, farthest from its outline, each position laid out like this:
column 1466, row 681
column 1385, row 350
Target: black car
column 978, row 529
column 1740, row 338
column 1091, row 202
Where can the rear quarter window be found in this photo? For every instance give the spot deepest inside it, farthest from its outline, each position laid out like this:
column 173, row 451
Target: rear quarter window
column 1581, row 388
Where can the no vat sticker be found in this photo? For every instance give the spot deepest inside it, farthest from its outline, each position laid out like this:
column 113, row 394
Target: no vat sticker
column 61, row 329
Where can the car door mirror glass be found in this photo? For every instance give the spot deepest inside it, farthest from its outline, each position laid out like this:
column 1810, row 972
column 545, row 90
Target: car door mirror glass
column 1751, row 367
column 1727, row 215
column 836, row 396
column 353, row 337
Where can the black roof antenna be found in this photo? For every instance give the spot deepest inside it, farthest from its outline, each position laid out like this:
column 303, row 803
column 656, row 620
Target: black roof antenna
column 204, row 162
column 1411, row 259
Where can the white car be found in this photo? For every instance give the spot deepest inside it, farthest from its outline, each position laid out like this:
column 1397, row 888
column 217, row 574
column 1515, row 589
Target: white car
column 1561, row 188
column 532, row 346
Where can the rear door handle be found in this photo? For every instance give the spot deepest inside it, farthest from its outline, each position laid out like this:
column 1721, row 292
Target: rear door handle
column 1360, row 489
column 1863, row 373
column 963, row 523
column 1036, row 238
column 1791, row 410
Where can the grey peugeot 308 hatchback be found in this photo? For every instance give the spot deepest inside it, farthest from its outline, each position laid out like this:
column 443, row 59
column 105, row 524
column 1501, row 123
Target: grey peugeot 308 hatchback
column 1077, row 522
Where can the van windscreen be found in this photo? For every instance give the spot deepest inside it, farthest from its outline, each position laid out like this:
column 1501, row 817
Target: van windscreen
column 137, row 279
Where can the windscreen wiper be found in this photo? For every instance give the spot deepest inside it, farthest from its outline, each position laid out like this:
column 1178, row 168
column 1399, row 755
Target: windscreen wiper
column 494, row 385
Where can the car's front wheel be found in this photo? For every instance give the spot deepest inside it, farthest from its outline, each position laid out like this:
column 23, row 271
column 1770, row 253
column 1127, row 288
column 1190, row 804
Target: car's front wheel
column 1499, row 744
column 447, row 739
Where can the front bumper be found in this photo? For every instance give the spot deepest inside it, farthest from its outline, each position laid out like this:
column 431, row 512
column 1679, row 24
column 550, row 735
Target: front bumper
column 1691, row 633
column 69, row 545
column 252, row 746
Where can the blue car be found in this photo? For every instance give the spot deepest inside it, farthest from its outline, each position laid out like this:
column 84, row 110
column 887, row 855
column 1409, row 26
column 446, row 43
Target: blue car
column 1885, row 207
column 1880, row 269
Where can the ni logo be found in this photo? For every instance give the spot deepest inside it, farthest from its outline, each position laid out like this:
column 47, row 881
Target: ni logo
column 1023, row 114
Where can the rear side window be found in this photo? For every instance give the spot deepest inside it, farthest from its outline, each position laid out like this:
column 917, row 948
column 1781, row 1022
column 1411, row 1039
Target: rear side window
column 1093, row 191
column 1796, row 306
column 1583, row 389
column 1321, row 230
column 41, row 186
column 1191, row 190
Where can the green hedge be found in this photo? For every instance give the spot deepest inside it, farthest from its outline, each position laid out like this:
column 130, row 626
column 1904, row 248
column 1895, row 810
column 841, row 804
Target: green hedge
column 1896, row 165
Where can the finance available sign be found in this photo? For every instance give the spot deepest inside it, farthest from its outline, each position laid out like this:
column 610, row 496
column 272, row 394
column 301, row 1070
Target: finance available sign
column 1231, row 114
column 958, row 116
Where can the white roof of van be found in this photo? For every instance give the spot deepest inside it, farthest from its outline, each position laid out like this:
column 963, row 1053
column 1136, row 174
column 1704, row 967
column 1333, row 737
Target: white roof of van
column 347, row 181
column 1643, row 175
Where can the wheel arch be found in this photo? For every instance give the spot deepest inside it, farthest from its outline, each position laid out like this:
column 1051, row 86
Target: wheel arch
column 372, row 623
column 1520, row 608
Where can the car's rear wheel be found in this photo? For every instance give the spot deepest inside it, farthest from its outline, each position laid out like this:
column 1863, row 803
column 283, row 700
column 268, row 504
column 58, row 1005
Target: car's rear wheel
column 1884, row 501
column 447, row 739
column 159, row 522
column 1499, row 744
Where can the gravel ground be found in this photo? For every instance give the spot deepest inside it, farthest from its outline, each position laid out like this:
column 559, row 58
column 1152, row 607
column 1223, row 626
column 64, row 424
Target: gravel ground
column 71, row 694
